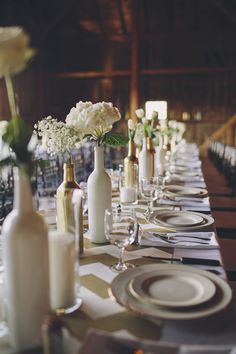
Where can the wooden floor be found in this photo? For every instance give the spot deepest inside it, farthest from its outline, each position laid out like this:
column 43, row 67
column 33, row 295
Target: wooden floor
column 223, row 205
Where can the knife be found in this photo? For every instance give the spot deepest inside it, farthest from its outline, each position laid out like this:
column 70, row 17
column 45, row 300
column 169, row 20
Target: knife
column 188, row 260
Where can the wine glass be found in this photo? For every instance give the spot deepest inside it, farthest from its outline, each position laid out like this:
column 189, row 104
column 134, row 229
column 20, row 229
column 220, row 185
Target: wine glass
column 151, row 189
column 120, row 230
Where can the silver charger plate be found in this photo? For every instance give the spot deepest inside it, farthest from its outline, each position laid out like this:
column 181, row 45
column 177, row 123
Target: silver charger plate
column 172, row 288
column 119, row 291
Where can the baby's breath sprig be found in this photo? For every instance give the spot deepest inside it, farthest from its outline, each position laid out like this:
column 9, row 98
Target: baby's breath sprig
column 57, row 137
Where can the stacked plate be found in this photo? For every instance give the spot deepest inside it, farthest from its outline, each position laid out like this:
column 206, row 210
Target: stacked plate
column 188, row 171
column 181, row 220
column 168, row 291
column 173, row 191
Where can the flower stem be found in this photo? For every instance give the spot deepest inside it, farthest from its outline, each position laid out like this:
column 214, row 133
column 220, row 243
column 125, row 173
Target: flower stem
column 11, row 95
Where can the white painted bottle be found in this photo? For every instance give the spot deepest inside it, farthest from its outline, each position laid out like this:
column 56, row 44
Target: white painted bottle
column 25, row 256
column 144, row 161
column 99, row 197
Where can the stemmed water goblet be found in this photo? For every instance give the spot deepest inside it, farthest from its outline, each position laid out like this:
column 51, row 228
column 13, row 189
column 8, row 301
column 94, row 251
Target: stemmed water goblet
column 120, row 229
column 151, row 190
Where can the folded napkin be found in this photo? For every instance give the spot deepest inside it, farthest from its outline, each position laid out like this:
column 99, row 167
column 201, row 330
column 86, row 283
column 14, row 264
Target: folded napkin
column 185, row 178
column 191, row 200
column 187, row 163
column 148, row 239
column 200, row 204
column 197, row 184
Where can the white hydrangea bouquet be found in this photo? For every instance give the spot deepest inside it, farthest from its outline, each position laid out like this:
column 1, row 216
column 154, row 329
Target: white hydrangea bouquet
column 95, row 122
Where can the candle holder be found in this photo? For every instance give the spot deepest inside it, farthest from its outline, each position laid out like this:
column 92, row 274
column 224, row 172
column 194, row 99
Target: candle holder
column 64, row 273
column 128, row 185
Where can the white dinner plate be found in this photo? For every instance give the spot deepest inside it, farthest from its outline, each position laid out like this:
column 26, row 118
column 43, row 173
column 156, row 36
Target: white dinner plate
column 181, row 191
column 181, row 220
column 172, row 288
column 219, row 301
column 187, row 169
column 190, row 174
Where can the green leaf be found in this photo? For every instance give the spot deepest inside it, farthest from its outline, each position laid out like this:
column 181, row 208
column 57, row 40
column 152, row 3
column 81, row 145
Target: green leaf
column 17, row 136
column 7, row 161
column 115, row 140
column 17, row 133
column 42, row 163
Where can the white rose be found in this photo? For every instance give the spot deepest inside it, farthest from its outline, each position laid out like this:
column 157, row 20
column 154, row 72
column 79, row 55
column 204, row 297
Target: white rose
column 131, row 124
column 14, row 50
column 3, row 127
column 140, row 113
column 144, row 121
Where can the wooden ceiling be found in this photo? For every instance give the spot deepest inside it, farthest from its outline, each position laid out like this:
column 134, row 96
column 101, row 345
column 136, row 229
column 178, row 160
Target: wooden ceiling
column 172, row 33
column 183, row 51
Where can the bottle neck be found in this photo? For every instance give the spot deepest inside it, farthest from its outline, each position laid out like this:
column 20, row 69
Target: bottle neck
column 23, row 201
column 98, row 158
column 144, row 145
column 69, row 172
column 149, row 144
column 131, row 148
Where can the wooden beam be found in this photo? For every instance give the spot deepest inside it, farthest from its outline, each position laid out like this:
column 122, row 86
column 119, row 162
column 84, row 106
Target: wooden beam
column 134, row 79
column 175, row 35
column 88, row 74
column 145, row 72
column 186, row 71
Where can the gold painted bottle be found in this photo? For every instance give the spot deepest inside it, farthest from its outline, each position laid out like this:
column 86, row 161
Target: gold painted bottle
column 65, row 207
column 129, row 162
column 151, row 151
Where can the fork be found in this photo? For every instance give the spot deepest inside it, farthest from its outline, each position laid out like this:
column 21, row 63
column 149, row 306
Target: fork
column 175, row 242
column 174, row 236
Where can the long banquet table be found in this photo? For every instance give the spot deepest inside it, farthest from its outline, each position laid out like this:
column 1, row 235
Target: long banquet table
column 100, row 311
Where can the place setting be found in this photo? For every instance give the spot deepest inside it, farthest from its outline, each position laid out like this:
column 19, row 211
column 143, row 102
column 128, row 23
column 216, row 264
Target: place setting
column 175, row 191
column 186, row 196
column 181, row 220
column 191, row 240
column 171, row 292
